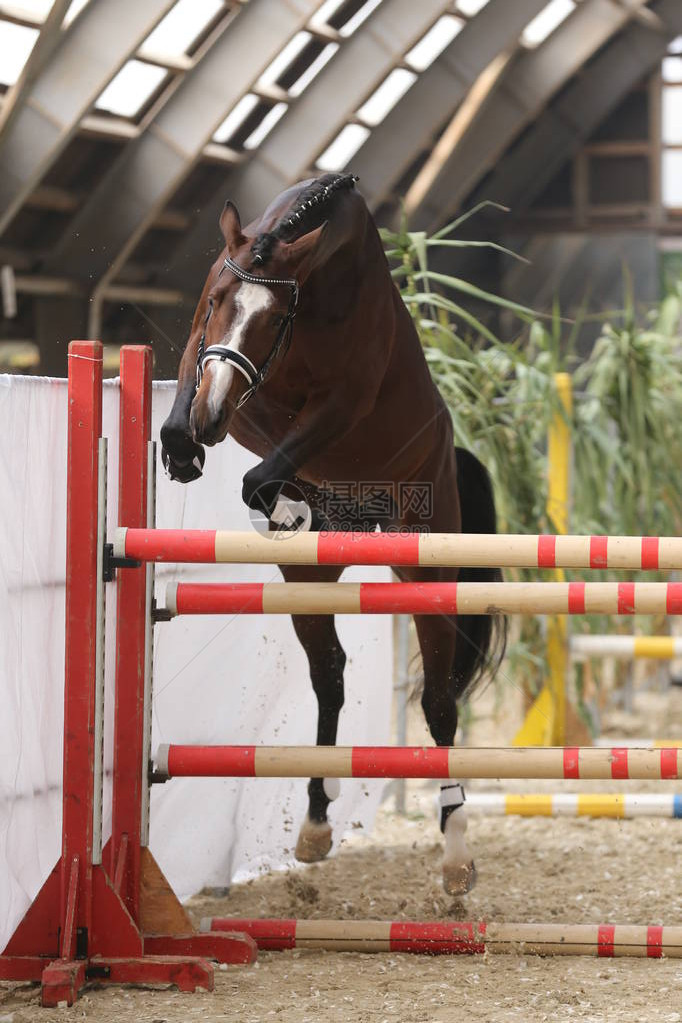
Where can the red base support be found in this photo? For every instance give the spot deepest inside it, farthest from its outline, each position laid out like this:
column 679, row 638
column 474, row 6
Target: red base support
column 124, row 954
column 64, row 978
column 62, row 981
column 38, row 932
column 224, row 947
column 84, row 928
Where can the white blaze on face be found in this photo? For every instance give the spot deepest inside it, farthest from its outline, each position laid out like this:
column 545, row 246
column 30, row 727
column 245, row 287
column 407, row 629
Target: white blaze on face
column 249, row 300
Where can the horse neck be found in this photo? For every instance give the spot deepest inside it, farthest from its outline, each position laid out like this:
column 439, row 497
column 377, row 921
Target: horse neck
column 357, row 261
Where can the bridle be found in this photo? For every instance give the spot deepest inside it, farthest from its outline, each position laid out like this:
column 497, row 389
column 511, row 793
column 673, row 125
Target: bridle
column 223, row 353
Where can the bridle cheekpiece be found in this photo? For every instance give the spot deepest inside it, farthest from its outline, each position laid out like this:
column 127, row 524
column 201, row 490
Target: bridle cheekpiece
column 223, row 353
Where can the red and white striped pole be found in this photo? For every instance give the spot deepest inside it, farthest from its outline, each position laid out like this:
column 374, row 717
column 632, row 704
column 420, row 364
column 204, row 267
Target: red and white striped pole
column 458, row 937
column 424, row 598
column 430, row 549
column 175, row 761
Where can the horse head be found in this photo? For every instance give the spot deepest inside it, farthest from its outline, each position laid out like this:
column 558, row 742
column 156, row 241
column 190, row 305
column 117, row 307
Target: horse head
column 248, row 321
column 243, row 323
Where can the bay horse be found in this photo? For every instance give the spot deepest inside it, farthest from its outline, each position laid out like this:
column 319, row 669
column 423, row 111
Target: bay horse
column 349, row 398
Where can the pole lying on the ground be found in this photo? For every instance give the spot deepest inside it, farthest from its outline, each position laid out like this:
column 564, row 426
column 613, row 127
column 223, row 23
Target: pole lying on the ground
column 458, row 938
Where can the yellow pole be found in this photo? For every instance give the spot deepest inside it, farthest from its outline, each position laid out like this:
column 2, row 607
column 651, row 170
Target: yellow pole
column 559, row 456
column 558, row 511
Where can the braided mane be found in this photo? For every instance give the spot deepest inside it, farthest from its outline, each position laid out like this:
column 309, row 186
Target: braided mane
column 304, row 215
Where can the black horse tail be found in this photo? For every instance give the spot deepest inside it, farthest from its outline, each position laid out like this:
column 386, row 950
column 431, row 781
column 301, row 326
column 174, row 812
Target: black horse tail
column 481, row 639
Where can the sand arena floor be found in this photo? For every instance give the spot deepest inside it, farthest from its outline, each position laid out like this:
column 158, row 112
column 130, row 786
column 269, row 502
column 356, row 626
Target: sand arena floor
column 534, row 870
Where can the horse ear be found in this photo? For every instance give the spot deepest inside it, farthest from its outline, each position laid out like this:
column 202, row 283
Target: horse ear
column 301, row 254
column 231, row 225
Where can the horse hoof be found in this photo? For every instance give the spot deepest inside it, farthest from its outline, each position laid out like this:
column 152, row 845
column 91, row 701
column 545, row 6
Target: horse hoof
column 314, row 841
column 459, row 878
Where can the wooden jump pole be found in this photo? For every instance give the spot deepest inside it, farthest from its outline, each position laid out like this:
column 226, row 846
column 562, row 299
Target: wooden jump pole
column 175, row 761
column 208, row 546
column 424, row 598
column 575, row 804
column 627, row 648
column 459, row 938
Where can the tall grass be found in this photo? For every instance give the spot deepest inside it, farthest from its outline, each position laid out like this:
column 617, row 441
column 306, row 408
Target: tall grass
column 627, row 414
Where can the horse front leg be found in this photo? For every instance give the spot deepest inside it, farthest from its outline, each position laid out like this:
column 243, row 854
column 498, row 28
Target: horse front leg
column 326, row 659
column 182, row 457
column 322, row 420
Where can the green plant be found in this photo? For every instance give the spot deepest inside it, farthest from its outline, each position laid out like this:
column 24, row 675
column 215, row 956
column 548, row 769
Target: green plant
column 627, row 418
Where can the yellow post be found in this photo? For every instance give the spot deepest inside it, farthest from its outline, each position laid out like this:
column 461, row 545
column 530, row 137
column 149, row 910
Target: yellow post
column 559, row 456
column 558, row 511
column 545, row 722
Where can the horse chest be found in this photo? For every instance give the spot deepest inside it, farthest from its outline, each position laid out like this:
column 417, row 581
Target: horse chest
column 261, row 429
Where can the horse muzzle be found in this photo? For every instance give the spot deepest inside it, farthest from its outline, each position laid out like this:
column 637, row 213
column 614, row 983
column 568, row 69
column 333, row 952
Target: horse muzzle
column 184, row 472
column 182, row 458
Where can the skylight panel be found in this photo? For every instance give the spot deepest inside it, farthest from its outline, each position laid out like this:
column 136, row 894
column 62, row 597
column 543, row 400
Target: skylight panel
column 544, row 23
column 672, row 116
column 298, row 63
column 284, row 58
column 74, row 10
column 127, row 93
column 343, row 148
column 321, row 16
column 236, row 117
column 39, row 8
column 356, row 21
column 16, row 43
column 266, row 126
column 672, row 69
column 672, row 178
column 432, row 44
column 470, row 7
column 313, row 70
column 330, row 15
column 176, row 32
column 391, row 90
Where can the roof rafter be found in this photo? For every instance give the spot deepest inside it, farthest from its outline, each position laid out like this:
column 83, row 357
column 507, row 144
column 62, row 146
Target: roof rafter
column 93, row 49
column 151, row 168
column 412, row 124
column 314, row 120
column 565, row 124
column 48, row 38
column 529, row 84
column 359, row 67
